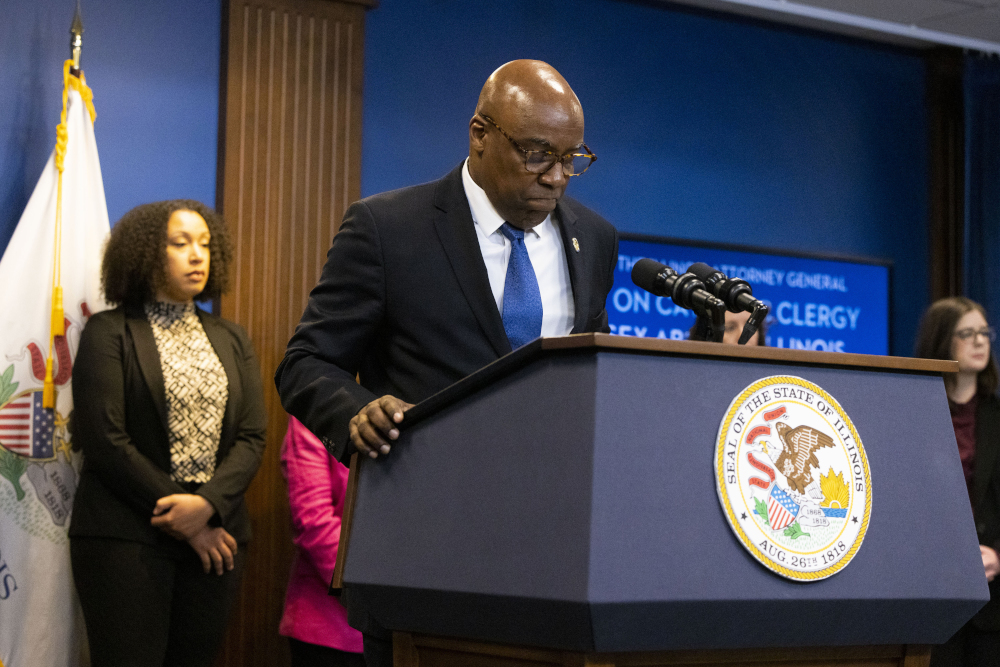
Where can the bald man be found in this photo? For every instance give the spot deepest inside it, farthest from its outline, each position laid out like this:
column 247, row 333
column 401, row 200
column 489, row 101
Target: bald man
column 412, row 297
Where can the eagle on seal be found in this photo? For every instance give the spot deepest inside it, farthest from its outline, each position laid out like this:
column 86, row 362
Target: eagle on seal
column 798, row 453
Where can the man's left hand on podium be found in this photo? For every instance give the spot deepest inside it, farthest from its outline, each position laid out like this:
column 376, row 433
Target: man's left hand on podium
column 374, row 426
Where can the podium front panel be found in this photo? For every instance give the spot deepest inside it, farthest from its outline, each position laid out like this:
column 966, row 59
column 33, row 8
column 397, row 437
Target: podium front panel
column 572, row 504
column 478, row 522
column 915, row 579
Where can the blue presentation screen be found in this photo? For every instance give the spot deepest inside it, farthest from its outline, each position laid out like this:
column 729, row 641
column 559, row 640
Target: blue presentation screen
column 816, row 304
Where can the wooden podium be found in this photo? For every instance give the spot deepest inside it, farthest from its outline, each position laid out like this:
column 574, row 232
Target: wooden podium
column 559, row 507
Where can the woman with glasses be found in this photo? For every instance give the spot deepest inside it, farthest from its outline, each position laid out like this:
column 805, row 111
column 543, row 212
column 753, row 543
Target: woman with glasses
column 956, row 328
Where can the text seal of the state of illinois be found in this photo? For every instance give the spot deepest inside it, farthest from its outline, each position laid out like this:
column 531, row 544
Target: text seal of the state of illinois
column 793, row 478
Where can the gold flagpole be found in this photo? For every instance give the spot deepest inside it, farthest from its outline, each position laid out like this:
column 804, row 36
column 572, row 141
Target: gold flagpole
column 72, row 78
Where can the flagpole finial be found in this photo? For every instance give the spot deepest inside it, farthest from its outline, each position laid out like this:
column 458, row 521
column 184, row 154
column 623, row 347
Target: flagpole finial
column 76, row 40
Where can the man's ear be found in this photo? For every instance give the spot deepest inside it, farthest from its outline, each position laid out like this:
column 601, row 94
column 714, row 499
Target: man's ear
column 477, row 131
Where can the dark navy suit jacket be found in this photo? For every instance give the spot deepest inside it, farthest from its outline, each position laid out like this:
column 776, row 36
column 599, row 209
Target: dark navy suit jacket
column 404, row 304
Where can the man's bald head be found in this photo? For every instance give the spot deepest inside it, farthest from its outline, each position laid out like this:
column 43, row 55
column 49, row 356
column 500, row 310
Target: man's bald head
column 537, row 111
column 521, row 87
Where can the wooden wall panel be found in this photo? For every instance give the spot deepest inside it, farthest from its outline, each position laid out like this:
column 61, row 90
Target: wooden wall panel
column 290, row 164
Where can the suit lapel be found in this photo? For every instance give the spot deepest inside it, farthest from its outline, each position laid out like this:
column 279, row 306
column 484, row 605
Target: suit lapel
column 457, row 233
column 573, row 238
column 987, row 434
column 221, row 342
column 149, row 360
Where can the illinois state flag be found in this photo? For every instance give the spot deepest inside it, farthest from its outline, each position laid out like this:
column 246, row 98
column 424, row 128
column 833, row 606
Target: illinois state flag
column 40, row 624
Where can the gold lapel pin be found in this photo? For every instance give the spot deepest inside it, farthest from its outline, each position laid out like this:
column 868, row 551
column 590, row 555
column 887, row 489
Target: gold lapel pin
column 576, row 244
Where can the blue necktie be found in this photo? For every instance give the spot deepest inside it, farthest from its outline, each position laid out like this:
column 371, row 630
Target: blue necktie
column 522, row 301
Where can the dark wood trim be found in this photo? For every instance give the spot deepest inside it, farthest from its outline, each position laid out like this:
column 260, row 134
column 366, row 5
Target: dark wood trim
column 220, row 148
column 946, row 170
column 413, row 650
column 347, row 520
column 290, row 164
column 917, row 655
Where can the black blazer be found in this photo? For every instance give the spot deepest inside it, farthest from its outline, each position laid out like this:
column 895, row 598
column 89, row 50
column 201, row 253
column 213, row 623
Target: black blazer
column 404, row 302
column 986, row 498
column 120, row 420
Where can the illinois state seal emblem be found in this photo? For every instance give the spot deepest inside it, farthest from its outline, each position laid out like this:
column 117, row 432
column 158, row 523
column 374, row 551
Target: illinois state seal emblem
column 793, row 478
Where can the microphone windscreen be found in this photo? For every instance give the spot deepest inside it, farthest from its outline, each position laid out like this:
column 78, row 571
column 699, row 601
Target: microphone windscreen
column 701, row 270
column 644, row 273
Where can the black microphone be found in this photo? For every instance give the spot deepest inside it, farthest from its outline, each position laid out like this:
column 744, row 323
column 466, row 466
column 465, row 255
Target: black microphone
column 684, row 289
column 737, row 295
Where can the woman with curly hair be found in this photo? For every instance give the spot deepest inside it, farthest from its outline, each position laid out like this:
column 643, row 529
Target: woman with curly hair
column 169, row 413
column 956, row 328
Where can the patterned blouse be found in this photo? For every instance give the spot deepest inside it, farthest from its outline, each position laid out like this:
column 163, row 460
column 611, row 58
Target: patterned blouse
column 196, row 387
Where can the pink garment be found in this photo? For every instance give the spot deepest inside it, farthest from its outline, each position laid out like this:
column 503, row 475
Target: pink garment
column 316, row 486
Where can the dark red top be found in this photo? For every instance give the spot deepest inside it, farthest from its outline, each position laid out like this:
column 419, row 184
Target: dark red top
column 963, row 418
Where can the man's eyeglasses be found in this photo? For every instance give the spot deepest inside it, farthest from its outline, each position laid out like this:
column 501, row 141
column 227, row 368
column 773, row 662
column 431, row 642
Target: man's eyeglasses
column 539, row 162
column 989, row 333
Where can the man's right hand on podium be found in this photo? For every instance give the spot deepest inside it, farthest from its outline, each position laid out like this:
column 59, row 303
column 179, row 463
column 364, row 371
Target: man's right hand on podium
column 375, row 425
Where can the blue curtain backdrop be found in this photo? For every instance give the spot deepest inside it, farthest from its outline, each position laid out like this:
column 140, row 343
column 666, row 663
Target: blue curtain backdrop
column 154, row 70
column 982, row 179
column 706, row 128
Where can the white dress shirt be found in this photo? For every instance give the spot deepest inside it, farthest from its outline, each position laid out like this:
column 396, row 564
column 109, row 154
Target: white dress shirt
column 545, row 249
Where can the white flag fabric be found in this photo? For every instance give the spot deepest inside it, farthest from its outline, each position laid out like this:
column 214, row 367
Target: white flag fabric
column 40, row 622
